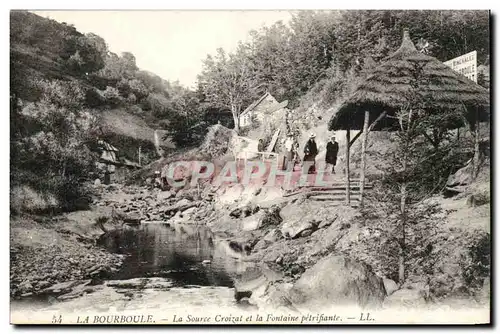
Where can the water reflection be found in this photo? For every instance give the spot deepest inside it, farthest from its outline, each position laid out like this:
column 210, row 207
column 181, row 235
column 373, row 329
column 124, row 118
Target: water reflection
column 183, row 253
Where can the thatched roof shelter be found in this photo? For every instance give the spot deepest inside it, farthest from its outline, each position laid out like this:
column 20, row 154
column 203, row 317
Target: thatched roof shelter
column 410, row 79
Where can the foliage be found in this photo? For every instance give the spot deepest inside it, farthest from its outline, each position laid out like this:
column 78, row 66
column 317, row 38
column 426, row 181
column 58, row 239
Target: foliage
column 476, row 262
column 332, row 50
column 227, row 83
column 48, row 151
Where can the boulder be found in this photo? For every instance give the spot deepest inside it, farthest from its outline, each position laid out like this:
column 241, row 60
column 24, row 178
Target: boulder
column 244, row 211
column 390, row 286
column 461, row 177
column 261, row 219
column 406, row 298
column 164, row 195
column 273, row 235
column 336, row 280
column 297, row 218
column 293, row 229
column 253, row 222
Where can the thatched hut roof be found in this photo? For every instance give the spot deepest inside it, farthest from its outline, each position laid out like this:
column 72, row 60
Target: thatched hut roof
column 409, row 78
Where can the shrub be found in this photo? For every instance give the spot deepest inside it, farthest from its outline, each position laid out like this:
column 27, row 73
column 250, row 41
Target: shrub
column 112, row 96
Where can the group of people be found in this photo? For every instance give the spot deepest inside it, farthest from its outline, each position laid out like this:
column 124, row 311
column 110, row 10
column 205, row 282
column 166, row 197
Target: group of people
column 311, row 151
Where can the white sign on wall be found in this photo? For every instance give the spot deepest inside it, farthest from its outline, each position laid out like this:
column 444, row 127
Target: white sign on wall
column 465, row 65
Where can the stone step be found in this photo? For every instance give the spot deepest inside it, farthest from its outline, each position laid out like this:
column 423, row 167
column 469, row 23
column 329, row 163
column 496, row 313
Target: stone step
column 334, row 198
column 325, row 190
column 340, row 192
column 353, row 204
column 338, row 186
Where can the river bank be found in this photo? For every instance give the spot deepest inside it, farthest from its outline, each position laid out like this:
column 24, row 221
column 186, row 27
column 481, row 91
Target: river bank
column 278, row 253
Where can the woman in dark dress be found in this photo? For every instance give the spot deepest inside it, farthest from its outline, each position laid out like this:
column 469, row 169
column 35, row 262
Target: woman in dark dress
column 310, row 153
column 332, row 149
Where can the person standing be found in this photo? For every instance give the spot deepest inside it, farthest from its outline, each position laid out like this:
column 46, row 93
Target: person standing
column 289, row 147
column 310, row 152
column 332, row 149
column 260, row 145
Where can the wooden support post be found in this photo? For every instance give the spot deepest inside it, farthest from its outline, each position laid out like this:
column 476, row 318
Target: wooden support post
column 348, row 181
column 477, row 139
column 363, row 158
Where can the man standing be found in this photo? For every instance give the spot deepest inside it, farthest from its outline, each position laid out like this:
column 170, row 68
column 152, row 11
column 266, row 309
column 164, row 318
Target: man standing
column 332, row 149
column 289, row 148
column 310, row 152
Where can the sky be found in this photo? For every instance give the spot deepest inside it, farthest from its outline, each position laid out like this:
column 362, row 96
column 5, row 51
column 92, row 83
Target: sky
column 171, row 44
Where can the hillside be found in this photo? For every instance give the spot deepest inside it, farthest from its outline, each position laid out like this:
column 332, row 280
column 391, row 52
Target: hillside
column 65, row 84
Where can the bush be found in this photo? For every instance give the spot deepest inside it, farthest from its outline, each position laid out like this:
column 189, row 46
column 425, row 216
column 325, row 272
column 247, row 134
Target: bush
column 49, row 159
column 112, row 96
column 475, row 262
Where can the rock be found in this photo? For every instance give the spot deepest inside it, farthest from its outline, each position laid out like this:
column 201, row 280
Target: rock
column 327, row 221
column 132, row 219
column 68, row 297
column 295, row 269
column 273, row 235
column 277, row 296
column 461, row 177
column 94, row 268
column 206, row 262
column 254, row 222
column 293, row 229
column 261, row 244
column 65, row 287
column 181, row 205
column 245, row 288
column 408, row 298
column 164, row 195
column 236, row 213
column 390, row 286
column 43, row 284
column 134, row 283
column 306, row 233
column 232, row 249
column 297, row 219
column 337, row 280
column 189, row 211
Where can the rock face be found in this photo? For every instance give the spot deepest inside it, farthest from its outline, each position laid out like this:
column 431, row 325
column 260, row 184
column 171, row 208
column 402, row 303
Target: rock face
column 297, row 219
column 337, row 280
column 461, row 177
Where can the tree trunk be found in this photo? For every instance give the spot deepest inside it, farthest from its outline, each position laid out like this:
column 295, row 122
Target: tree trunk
column 236, row 118
column 402, row 245
column 477, row 139
column 348, row 180
column 363, row 159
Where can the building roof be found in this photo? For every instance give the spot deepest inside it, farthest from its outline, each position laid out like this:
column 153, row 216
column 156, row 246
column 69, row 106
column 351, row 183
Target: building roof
column 393, row 85
column 255, row 104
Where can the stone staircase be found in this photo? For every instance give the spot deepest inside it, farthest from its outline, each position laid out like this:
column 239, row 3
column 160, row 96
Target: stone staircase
column 333, row 194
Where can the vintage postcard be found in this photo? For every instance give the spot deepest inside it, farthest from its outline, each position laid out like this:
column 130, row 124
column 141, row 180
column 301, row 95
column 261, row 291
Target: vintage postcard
column 250, row 167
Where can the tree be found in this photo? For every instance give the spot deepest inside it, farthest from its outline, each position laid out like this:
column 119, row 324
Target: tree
column 227, row 82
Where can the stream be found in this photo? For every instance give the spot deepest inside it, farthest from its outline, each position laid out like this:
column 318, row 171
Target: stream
column 167, row 270
column 183, row 254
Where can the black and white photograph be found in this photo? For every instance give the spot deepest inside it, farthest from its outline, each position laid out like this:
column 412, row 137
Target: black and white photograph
column 250, row 167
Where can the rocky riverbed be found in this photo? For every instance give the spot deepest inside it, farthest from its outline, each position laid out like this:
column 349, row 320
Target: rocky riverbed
column 276, row 251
